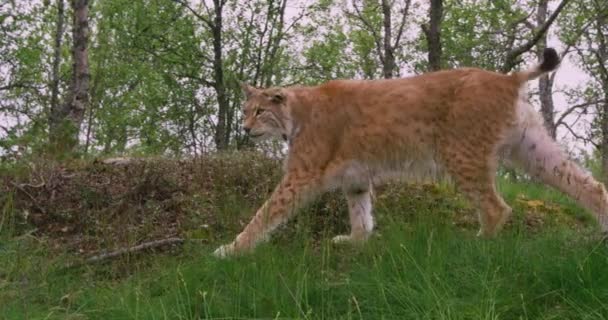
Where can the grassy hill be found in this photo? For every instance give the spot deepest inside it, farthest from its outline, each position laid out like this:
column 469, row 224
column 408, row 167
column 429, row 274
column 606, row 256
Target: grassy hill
column 424, row 261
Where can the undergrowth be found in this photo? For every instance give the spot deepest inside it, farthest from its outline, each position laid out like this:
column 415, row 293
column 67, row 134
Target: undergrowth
column 424, row 261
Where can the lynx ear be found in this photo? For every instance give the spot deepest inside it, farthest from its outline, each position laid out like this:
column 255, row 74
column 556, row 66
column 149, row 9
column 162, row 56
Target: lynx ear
column 248, row 90
column 276, row 96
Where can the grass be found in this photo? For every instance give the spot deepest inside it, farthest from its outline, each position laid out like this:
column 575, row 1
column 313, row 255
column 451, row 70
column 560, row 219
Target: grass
column 418, row 266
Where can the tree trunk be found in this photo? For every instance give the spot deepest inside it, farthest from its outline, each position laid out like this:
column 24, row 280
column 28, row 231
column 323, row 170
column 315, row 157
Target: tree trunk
column 80, row 74
column 602, row 57
column 433, row 34
column 93, row 103
column 600, row 53
column 545, row 83
column 54, row 107
column 223, row 130
column 389, row 56
column 385, row 41
column 71, row 114
column 221, row 136
column 604, row 145
column 545, row 88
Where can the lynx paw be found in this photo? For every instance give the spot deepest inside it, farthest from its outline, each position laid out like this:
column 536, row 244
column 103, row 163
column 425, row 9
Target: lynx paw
column 341, row 239
column 225, row 251
column 348, row 239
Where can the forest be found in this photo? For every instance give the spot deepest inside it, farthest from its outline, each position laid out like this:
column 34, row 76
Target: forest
column 124, row 163
column 99, row 78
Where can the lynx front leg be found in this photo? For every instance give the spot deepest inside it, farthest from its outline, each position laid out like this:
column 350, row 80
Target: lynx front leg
column 493, row 212
column 291, row 193
column 360, row 212
column 475, row 178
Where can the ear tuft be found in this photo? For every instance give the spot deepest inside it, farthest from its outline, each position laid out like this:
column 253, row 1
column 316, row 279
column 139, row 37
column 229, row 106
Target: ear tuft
column 276, row 96
column 248, row 90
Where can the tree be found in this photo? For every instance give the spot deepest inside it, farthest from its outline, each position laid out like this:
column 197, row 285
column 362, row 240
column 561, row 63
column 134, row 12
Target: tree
column 376, row 18
column 587, row 31
column 67, row 119
column 212, row 19
column 164, row 74
column 23, row 69
column 146, row 90
column 326, row 47
column 55, row 76
column 432, row 31
column 491, row 35
column 545, row 82
column 515, row 51
column 259, row 55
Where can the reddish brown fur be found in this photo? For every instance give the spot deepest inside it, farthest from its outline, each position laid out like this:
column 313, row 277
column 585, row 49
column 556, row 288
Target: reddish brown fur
column 347, row 134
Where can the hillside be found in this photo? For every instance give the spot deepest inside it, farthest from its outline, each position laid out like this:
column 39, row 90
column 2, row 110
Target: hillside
column 423, row 262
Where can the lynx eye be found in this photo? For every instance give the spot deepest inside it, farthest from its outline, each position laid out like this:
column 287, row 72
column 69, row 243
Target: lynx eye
column 259, row 112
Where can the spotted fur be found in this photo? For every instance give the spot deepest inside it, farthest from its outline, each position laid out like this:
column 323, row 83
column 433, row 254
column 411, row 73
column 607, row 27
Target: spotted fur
column 352, row 134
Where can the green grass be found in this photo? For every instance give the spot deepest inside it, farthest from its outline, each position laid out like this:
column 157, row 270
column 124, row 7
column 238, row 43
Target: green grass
column 419, row 266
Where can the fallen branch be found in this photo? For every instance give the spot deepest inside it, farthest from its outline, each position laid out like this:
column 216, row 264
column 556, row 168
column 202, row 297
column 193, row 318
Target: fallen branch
column 119, row 161
column 35, row 186
column 29, row 195
column 113, row 254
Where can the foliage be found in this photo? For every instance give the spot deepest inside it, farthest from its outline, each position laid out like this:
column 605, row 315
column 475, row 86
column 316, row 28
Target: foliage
column 585, row 33
column 480, row 33
column 154, row 66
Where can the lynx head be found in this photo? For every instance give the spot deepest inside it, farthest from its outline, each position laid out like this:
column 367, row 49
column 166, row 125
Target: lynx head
column 265, row 113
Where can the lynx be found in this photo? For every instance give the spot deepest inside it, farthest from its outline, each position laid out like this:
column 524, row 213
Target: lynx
column 353, row 134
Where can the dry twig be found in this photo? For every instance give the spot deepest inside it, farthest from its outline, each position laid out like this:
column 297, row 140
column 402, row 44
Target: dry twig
column 113, row 254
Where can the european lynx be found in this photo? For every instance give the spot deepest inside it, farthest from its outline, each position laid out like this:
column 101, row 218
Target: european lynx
column 352, row 134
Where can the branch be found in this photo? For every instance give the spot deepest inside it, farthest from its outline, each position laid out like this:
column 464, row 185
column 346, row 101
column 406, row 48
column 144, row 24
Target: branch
column 602, row 51
column 29, row 195
column 273, row 47
column 579, row 34
column 402, row 25
column 146, row 245
column 203, row 81
column 370, row 28
column 576, row 136
column 568, row 111
column 600, row 64
column 522, row 20
column 586, row 64
column 204, row 4
column 526, row 23
column 196, row 14
column 514, row 53
column 262, row 35
column 17, row 85
column 294, row 21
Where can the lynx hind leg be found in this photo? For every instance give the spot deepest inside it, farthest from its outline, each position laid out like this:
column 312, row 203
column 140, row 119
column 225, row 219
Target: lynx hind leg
column 360, row 214
column 537, row 153
column 475, row 178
